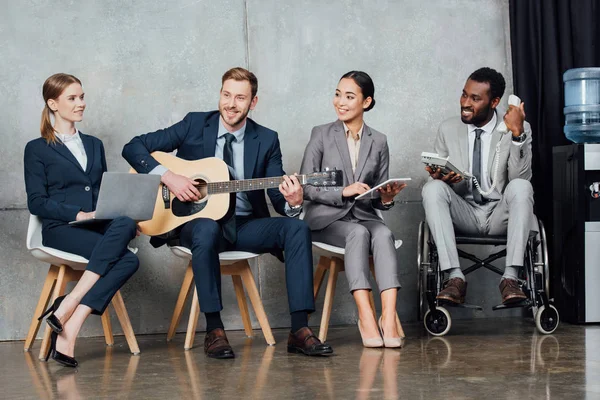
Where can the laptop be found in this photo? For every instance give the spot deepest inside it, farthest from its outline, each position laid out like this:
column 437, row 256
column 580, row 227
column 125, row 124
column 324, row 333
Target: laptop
column 125, row 195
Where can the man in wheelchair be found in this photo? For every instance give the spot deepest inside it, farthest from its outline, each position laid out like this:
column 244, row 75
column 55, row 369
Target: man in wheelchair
column 489, row 192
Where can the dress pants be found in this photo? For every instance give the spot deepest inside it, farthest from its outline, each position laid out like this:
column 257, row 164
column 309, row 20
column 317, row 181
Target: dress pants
column 105, row 246
column 360, row 239
column 258, row 235
column 446, row 211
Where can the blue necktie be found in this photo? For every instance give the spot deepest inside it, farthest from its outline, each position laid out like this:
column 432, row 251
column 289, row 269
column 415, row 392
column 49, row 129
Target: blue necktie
column 229, row 226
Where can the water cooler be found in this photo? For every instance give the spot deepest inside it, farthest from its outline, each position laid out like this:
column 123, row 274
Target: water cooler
column 576, row 238
column 576, row 201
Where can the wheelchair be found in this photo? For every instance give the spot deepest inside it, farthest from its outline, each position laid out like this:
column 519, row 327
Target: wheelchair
column 534, row 279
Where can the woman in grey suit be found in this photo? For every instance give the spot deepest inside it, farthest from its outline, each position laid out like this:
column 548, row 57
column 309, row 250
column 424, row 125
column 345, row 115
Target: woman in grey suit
column 335, row 217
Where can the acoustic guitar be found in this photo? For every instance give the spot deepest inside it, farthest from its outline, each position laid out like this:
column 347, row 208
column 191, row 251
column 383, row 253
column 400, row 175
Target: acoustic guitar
column 215, row 187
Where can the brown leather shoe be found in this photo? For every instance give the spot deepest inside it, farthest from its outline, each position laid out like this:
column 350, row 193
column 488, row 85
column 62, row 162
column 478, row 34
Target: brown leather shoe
column 511, row 291
column 454, row 291
column 304, row 341
column 216, row 345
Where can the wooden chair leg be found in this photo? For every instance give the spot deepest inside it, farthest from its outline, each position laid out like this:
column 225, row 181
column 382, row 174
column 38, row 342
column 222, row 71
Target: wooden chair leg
column 59, row 290
column 41, row 306
column 256, row 301
column 107, row 327
column 320, row 275
column 188, row 280
column 193, row 322
column 335, row 267
column 125, row 322
column 242, row 303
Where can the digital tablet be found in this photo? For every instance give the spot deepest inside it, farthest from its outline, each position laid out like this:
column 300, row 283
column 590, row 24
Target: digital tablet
column 369, row 192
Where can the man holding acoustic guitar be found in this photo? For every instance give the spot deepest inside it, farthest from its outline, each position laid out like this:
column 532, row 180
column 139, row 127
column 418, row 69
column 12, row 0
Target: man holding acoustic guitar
column 201, row 208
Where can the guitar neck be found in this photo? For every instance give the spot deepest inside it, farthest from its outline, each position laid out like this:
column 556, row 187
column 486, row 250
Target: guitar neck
column 246, row 185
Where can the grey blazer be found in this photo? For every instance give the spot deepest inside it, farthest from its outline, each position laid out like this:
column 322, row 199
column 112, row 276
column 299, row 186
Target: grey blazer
column 515, row 161
column 328, row 148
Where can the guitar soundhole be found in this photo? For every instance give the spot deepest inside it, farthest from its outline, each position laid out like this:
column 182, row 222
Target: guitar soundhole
column 184, row 209
column 202, row 187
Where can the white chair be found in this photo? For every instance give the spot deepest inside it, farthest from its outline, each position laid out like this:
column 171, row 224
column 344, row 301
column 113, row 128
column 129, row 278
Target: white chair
column 66, row 267
column 332, row 259
column 234, row 263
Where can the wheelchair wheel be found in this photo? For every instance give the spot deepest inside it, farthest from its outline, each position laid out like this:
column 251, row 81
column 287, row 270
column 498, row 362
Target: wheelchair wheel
column 438, row 321
column 547, row 319
column 422, row 268
column 543, row 256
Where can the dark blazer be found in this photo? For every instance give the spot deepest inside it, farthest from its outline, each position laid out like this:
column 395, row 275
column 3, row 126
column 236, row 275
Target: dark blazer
column 328, row 147
column 57, row 187
column 195, row 137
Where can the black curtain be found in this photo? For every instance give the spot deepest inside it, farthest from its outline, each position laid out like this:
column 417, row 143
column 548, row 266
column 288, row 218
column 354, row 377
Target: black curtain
column 547, row 38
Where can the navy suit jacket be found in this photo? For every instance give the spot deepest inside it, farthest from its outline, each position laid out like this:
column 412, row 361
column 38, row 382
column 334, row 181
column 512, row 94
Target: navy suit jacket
column 57, row 187
column 195, row 137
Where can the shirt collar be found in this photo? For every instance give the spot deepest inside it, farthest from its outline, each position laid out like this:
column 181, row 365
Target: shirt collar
column 487, row 128
column 68, row 138
column 239, row 134
column 359, row 133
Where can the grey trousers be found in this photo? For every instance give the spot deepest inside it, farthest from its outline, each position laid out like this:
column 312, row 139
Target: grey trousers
column 360, row 239
column 446, row 211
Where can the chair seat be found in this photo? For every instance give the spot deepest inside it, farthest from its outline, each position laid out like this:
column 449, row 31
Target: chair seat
column 334, row 251
column 59, row 257
column 233, row 256
column 492, row 240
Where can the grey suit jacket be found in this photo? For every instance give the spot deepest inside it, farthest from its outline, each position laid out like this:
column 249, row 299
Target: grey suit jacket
column 515, row 161
column 328, row 148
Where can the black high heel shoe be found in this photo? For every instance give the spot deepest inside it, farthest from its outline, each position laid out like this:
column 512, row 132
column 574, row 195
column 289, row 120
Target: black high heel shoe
column 54, row 322
column 58, row 356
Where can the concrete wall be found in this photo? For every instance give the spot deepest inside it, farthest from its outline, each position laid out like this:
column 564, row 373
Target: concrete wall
column 146, row 64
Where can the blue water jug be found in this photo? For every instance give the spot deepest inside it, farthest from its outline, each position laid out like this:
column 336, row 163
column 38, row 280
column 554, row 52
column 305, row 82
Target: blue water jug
column 582, row 105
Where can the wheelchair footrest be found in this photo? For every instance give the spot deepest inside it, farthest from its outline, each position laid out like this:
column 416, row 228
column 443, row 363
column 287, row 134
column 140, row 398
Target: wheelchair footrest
column 464, row 305
column 520, row 304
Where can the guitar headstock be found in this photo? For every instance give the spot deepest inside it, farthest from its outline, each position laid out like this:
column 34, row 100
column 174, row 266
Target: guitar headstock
column 327, row 178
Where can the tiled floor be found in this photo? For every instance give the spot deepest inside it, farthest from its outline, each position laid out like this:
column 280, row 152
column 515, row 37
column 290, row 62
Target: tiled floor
column 479, row 359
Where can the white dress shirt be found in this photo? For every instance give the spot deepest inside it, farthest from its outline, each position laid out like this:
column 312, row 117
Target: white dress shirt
column 353, row 144
column 75, row 146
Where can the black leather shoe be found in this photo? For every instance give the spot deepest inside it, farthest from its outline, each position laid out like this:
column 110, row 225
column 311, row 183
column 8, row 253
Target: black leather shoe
column 305, row 342
column 216, row 345
column 52, row 321
column 58, row 356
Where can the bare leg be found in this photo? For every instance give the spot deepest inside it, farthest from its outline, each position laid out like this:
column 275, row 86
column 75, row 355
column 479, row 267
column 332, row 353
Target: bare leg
column 365, row 313
column 65, row 342
column 388, row 313
column 71, row 301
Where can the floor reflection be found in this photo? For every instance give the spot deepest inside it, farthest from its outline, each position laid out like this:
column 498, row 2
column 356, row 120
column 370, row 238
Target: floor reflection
column 471, row 365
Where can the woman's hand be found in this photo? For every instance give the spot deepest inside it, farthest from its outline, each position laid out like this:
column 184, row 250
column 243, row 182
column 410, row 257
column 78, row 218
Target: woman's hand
column 355, row 189
column 81, row 216
column 389, row 191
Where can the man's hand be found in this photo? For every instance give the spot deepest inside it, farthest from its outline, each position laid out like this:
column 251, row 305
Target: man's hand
column 452, row 177
column 389, row 191
column 514, row 118
column 81, row 216
column 355, row 189
column 291, row 189
column 181, row 186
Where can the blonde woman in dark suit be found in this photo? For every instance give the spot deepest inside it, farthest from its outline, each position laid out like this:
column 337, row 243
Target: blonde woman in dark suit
column 335, row 217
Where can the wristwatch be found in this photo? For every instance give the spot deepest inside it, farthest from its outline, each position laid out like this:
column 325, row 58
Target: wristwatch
column 387, row 204
column 520, row 139
column 296, row 207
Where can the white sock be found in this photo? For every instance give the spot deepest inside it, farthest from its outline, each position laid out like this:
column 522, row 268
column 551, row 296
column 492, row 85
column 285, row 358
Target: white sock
column 456, row 273
column 511, row 273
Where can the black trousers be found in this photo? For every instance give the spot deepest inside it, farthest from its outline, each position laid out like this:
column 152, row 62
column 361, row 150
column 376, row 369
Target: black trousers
column 105, row 246
column 258, row 235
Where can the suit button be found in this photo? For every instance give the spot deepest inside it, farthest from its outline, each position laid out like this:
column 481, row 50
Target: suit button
column 87, row 188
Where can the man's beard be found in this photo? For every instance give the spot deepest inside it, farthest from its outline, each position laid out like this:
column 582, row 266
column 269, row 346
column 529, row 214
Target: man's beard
column 236, row 120
column 479, row 118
